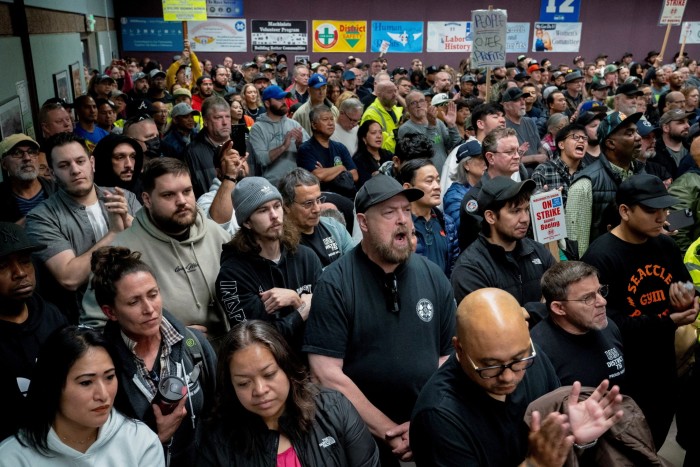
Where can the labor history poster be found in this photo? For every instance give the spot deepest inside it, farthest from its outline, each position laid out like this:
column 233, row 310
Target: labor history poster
column 449, row 36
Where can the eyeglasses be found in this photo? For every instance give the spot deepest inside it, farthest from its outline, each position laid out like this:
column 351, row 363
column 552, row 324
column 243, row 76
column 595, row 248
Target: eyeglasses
column 18, row 153
column 515, row 366
column 589, row 300
column 310, row 203
column 511, row 153
column 354, row 121
column 579, row 138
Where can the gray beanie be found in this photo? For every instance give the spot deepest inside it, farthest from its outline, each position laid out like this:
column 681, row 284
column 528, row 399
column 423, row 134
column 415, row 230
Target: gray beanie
column 249, row 194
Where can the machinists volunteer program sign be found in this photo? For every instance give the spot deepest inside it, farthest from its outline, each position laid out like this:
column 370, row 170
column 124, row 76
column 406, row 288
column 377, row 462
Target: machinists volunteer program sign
column 278, row 35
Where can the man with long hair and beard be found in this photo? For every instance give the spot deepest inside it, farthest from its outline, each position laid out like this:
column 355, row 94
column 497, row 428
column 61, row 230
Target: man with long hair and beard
column 265, row 273
column 181, row 245
column 382, row 318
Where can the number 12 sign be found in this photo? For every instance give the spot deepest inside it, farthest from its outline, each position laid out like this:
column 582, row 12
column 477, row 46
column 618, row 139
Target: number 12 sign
column 560, row 11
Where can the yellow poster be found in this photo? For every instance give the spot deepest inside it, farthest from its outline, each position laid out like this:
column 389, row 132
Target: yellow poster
column 185, row 10
column 339, row 36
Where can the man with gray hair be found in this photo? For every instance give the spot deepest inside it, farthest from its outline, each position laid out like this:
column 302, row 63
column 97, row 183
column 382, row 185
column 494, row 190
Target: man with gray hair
column 199, row 154
column 423, row 119
column 265, row 274
column 303, row 205
column 577, row 336
column 328, row 160
column 350, row 114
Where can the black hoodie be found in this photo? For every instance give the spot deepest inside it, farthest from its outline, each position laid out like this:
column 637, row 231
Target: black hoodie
column 244, row 276
column 104, row 174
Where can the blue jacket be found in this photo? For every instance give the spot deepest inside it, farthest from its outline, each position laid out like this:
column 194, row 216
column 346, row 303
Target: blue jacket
column 450, row 229
column 453, row 200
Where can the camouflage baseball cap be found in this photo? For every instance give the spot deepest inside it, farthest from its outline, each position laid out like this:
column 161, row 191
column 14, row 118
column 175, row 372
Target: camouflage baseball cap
column 613, row 121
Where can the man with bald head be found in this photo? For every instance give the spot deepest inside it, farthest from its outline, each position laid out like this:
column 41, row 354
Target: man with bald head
column 381, row 318
column 471, row 411
column 385, row 111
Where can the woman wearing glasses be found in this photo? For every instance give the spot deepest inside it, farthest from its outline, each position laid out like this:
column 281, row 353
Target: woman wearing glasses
column 269, row 413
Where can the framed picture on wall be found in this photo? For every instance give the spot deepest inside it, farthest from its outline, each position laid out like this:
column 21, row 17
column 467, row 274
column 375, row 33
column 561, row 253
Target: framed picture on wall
column 11, row 117
column 75, row 70
column 61, row 87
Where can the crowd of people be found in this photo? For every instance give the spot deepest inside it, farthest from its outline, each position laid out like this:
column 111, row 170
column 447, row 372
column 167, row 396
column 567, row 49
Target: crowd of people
column 289, row 264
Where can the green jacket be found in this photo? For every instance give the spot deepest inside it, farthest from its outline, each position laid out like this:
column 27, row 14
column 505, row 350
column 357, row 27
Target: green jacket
column 687, row 189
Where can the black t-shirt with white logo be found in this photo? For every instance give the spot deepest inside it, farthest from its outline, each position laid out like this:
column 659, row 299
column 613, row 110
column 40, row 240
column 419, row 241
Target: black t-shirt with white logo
column 323, row 244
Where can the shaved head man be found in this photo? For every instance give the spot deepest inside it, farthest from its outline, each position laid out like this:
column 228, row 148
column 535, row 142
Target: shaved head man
column 471, row 411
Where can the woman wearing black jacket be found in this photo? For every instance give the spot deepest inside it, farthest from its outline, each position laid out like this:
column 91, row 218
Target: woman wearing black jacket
column 268, row 413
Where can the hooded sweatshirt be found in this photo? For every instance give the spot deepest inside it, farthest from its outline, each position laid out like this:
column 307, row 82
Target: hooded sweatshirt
column 104, row 174
column 120, row 442
column 186, row 270
column 267, row 134
column 244, row 276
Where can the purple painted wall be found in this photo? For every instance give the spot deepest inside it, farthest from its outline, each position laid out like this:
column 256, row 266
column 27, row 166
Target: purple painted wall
column 610, row 26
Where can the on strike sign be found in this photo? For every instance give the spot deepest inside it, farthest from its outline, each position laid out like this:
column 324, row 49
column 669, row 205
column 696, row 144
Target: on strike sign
column 548, row 221
column 672, row 12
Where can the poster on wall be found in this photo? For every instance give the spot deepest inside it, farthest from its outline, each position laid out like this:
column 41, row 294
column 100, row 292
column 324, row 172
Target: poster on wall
column 75, row 77
column 562, row 11
column 489, row 47
column 403, row 36
column 61, row 88
column 151, row 35
column 185, row 10
column 278, row 35
column 218, row 35
column 556, row 37
column 10, row 117
column 339, row 36
column 23, row 93
column 691, row 31
column 517, row 38
column 224, row 8
column 449, row 36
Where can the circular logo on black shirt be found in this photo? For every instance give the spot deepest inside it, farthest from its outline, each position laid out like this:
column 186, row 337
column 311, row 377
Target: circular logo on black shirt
column 424, row 309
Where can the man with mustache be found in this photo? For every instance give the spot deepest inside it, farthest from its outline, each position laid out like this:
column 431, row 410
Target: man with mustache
column 179, row 243
column 26, row 320
column 503, row 256
column 265, row 273
column 22, row 189
column 382, row 318
column 276, row 139
column 118, row 162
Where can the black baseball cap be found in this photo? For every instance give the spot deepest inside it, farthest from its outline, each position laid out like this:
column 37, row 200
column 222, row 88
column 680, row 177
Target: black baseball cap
column 629, row 89
column 380, row 188
column 647, row 190
column 499, row 189
column 513, row 94
column 14, row 239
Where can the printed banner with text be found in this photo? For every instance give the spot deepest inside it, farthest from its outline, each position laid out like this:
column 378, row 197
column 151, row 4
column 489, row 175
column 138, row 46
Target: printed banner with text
column 691, row 31
column 402, row 36
column 185, row 10
column 150, row 35
column 556, row 37
column 449, row 36
column 339, row 36
column 278, row 35
column 224, row 8
column 218, row 35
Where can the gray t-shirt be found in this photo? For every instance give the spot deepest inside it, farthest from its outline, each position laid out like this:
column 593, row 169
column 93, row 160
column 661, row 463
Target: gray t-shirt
column 527, row 132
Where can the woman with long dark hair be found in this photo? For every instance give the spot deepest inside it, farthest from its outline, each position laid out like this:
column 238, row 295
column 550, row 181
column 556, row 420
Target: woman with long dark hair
column 268, row 413
column 71, row 418
column 370, row 155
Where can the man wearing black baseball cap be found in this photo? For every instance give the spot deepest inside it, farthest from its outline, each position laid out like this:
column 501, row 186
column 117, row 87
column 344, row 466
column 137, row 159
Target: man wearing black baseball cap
column 380, row 292
column 26, row 320
column 503, row 256
column 648, row 296
column 590, row 206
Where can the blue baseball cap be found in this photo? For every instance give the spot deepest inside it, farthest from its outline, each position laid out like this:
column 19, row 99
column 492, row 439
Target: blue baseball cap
column 317, row 80
column 274, row 92
column 349, row 75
